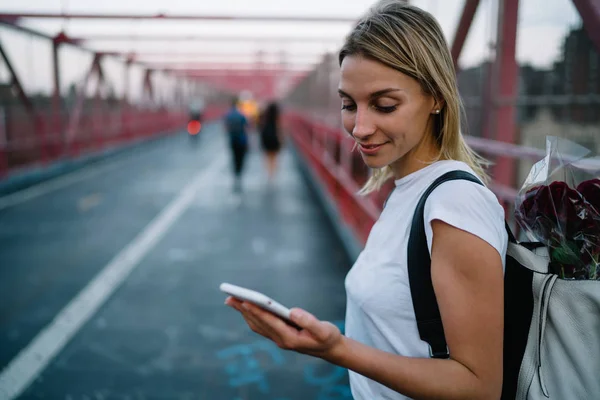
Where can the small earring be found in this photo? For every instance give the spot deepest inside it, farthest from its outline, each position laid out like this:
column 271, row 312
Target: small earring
column 437, row 111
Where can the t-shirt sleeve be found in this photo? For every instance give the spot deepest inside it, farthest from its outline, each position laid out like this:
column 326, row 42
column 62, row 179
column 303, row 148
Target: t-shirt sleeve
column 469, row 207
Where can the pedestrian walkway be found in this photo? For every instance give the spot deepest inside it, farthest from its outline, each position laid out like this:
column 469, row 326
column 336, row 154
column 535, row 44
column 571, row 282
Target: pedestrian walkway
column 152, row 237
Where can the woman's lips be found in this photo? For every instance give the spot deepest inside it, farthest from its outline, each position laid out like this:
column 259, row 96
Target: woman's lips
column 370, row 149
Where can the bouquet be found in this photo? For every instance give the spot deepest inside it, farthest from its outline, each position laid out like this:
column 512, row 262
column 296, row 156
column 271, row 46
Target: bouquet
column 559, row 206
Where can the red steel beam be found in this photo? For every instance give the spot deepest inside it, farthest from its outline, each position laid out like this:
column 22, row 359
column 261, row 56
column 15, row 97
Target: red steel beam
column 507, row 77
column 124, row 108
column 208, row 38
column 57, row 107
column 126, row 81
column 229, row 66
column 16, row 82
column 148, row 85
column 97, row 129
column 168, row 53
column 189, row 17
column 13, row 24
column 589, row 10
column 466, row 20
column 172, row 57
column 16, row 85
column 61, row 37
column 226, row 73
column 78, row 108
column 228, row 80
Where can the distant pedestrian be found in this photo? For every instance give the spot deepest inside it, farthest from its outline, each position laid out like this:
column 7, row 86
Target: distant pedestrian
column 270, row 136
column 236, row 126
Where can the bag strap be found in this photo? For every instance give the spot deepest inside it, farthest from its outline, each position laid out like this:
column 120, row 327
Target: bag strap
column 425, row 304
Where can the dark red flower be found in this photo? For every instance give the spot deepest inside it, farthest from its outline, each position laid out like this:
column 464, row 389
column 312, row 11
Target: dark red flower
column 590, row 190
column 568, row 222
column 552, row 212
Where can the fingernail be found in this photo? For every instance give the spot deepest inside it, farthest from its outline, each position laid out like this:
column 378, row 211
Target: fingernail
column 245, row 306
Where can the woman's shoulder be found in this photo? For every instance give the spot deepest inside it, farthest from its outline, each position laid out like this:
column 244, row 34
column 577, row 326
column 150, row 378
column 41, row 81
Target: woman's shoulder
column 470, row 207
column 466, row 192
column 461, row 188
column 459, row 196
column 465, row 200
column 439, row 168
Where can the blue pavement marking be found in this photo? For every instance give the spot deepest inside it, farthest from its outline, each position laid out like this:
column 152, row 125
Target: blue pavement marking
column 244, row 368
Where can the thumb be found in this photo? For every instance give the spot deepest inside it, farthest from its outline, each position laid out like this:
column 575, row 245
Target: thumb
column 306, row 320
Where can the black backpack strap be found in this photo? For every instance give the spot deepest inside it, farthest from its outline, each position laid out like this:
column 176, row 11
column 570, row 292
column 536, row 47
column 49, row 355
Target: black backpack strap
column 425, row 304
column 511, row 236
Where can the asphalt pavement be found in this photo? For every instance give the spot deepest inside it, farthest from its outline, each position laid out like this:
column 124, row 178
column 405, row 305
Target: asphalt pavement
column 109, row 278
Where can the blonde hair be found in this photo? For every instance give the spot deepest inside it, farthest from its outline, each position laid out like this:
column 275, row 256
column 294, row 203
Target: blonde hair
column 410, row 40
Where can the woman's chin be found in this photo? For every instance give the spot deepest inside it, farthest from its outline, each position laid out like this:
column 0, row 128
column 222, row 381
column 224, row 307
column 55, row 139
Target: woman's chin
column 374, row 162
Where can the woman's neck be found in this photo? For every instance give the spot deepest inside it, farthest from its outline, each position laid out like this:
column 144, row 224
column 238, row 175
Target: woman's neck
column 422, row 155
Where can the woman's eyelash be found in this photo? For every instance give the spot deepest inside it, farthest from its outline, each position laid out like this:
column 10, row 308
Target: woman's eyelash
column 387, row 110
column 382, row 109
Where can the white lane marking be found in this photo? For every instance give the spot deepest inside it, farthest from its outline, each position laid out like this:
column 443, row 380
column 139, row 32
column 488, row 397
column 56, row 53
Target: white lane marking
column 31, row 361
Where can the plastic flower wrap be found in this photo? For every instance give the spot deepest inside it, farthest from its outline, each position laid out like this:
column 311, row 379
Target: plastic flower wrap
column 559, row 206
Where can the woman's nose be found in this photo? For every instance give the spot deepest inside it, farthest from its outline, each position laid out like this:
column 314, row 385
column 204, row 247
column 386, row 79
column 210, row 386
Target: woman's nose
column 363, row 125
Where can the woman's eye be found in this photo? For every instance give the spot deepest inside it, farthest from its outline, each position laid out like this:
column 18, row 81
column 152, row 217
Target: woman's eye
column 349, row 107
column 386, row 109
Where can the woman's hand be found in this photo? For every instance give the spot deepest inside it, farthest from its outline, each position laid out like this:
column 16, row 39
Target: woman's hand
column 316, row 338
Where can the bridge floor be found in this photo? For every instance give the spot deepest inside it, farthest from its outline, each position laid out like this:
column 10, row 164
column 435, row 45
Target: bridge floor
column 109, row 279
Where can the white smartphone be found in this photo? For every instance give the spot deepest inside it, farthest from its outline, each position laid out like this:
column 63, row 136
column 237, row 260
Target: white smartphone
column 259, row 299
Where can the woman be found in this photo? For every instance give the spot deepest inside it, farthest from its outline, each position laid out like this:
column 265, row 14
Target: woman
column 270, row 137
column 400, row 104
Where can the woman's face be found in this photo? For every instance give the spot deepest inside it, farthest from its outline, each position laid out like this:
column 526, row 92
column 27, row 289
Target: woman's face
column 387, row 114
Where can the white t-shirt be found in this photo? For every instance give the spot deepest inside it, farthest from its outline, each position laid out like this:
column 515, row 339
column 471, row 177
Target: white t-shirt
column 379, row 309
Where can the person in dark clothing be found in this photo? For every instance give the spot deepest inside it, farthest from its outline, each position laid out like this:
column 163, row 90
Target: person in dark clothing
column 270, row 136
column 236, row 126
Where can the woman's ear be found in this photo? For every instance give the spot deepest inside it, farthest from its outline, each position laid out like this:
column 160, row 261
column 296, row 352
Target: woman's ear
column 438, row 106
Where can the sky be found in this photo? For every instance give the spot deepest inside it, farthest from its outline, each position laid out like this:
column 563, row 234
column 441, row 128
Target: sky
column 542, row 25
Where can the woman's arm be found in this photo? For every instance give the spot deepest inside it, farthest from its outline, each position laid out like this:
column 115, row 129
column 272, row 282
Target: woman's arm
column 468, row 282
